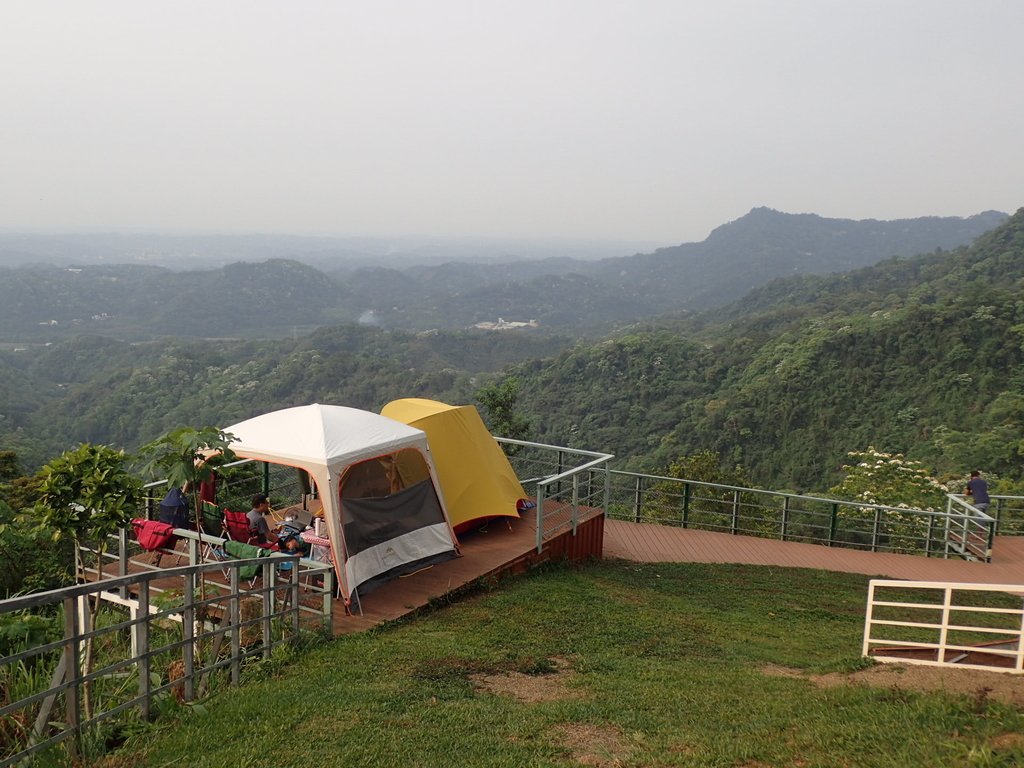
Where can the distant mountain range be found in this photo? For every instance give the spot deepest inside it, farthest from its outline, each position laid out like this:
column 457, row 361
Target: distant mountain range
column 284, row 296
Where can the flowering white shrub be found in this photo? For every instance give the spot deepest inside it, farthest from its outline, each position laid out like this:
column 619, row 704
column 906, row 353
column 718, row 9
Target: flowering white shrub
column 890, row 480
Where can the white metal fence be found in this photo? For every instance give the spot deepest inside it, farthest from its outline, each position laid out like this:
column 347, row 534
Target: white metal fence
column 976, row 626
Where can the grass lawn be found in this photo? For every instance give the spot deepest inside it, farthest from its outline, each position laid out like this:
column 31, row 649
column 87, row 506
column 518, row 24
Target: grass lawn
column 610, row 664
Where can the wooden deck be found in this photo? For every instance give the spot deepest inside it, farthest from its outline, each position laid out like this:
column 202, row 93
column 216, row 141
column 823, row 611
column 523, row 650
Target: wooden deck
column 505, row 546
column 641, row 542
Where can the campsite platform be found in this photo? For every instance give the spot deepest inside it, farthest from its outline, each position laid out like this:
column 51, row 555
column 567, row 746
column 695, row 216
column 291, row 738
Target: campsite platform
column 648, row 543
column 503, row 547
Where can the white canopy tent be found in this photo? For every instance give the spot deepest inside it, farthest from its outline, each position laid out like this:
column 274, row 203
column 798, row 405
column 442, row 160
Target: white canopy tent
column 382, row 501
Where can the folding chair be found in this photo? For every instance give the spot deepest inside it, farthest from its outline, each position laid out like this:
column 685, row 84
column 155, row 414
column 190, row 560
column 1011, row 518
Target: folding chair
column 212, row 519
column 236, row 528
column 239, row 550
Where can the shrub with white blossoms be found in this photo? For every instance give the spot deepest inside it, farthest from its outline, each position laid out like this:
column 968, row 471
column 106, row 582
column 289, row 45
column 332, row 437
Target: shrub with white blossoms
column 891, row 480
column 874, row 477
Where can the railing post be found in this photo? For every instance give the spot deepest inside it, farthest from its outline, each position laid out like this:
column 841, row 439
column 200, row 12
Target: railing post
column 868, row 618
column 686, row 504
column 266, row 477
column 575, row 501
column 122, row 558
column 785, row 517
column 735, row 512
column 638, row 497
column 874, row 529
column 945, row 538
column 234, row 617
column 295, row 600
column 944, row 631
column 540, row 517
column 328, row 598
column 188, row 627
column 1020, row 644
column 73, row 694
column 833, row 523
column 928, row 535
column 142, row 643
column 607, row 487
column 269, row 582
column 991, row 540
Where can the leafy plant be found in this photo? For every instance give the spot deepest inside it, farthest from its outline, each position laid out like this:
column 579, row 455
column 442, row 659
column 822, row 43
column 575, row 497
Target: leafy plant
column 890, row 479
column 499, row 401
column 87, row 494
column 188, row 457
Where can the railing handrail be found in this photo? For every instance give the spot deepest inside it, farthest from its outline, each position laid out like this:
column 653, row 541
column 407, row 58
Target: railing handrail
column 575, row 470
column 559, row 448
column 36, row 599
column 785, row 494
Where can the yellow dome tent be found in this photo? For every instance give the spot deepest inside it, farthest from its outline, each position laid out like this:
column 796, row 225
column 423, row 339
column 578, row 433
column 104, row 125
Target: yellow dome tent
column 476, row 478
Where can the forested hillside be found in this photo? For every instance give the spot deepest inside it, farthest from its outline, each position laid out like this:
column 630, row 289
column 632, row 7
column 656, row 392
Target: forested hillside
column 922, row 356
column 919, row 355
column 272, row 298
column 101, row 390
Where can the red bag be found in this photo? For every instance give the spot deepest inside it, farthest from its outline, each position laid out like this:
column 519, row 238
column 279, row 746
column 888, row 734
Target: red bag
column 152, row 534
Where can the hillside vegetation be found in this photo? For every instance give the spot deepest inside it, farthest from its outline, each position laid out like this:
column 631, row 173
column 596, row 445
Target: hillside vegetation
column 918, row 355
column 921, row 356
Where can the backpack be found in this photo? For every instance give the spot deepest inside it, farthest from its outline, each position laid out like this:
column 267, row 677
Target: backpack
column 174, row 509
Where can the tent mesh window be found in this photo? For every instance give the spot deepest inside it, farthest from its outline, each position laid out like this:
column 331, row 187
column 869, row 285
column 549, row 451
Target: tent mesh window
column 384, row 475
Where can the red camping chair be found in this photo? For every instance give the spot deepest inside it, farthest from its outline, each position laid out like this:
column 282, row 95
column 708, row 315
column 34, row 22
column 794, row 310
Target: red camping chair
column 236, row 526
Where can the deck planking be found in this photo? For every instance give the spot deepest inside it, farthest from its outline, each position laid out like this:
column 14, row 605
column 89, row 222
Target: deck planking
column 643, row 542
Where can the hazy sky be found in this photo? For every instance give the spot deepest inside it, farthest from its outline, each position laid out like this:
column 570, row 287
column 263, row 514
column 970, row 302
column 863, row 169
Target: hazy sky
column 640, row 120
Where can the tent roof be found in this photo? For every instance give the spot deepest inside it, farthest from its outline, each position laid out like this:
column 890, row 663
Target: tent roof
column 320, row 435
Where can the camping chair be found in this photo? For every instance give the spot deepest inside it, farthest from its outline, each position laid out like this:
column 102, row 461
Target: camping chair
column 212, row 519
column 238, row 550
column 236, row 528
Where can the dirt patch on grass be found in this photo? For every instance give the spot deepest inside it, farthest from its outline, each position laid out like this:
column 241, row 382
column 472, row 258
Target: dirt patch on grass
column 544, row 686
column 596, row 745
column 980, row 684
column 1007, row 742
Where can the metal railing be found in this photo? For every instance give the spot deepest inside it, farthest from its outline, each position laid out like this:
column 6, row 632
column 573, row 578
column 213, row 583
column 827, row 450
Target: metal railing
column 959, row 531
column 1009, row 514
column 563, row 481
column 151, row 643
column 201, row 548
column 976, row 626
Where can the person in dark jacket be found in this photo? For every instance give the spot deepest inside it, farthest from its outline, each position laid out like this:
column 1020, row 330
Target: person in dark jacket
column 977, row 489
